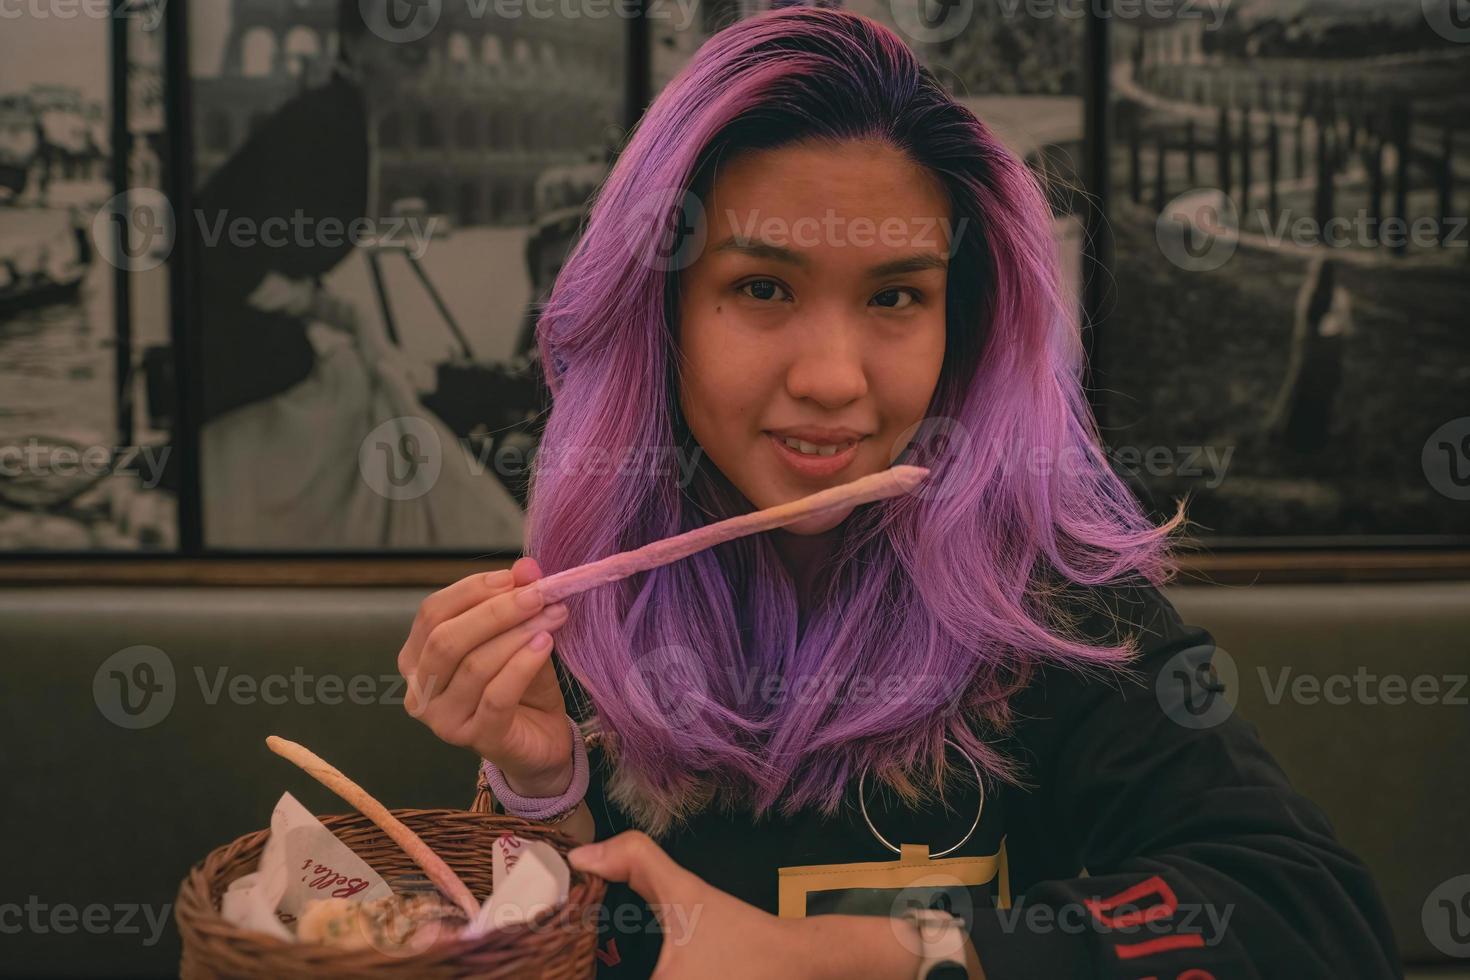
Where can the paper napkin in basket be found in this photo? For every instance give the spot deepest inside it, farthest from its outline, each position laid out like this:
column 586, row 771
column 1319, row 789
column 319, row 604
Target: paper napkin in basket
column 302, row 860
column 530, row 877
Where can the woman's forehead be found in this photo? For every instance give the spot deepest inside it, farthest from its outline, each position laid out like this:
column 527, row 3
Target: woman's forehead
column 856, row 178
column 857, row 204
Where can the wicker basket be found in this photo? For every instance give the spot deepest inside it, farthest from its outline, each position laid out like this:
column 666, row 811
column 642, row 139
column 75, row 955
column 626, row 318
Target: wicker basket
column 559, row 945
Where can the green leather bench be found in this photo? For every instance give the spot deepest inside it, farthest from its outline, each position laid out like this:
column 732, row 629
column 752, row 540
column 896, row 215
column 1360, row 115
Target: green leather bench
column 111, row 794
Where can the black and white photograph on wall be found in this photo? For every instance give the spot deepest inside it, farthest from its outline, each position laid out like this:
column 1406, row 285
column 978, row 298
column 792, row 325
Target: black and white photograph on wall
column 85, row 427
column 1021, row 74
column 1287, row 342
column 380, row 205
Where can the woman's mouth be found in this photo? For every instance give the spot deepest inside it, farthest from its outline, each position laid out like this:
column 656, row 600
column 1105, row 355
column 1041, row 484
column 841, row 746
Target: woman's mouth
column 813, row 459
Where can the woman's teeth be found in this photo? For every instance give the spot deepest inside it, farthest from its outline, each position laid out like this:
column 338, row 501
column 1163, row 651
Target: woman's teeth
column 812, row 449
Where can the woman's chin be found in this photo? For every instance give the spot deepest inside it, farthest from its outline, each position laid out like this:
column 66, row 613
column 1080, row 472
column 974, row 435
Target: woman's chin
column 819, row 523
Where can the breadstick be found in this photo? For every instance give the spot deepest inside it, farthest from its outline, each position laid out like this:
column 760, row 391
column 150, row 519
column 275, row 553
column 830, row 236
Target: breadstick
column 890, row 483
column 329, row 776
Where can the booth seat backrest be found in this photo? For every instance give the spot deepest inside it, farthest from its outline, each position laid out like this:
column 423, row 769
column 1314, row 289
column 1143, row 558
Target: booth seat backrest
column 123, row 766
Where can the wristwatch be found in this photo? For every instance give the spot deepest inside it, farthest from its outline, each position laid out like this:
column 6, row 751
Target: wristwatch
column 941, row 944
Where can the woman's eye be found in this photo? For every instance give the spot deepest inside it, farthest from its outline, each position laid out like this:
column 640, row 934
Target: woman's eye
column 762, row 289
column 891, row 298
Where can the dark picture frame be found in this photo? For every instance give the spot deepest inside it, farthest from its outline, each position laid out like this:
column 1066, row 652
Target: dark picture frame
column 1241, row 558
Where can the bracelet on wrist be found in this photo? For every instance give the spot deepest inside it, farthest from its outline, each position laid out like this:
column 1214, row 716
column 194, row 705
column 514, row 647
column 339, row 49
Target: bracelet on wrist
column 552, row 809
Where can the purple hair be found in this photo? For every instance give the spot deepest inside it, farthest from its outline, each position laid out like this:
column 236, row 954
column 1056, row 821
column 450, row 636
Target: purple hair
column 705, row 685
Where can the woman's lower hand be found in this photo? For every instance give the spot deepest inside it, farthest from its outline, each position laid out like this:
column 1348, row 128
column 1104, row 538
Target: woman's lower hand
column 710, row 933
column 478, row 666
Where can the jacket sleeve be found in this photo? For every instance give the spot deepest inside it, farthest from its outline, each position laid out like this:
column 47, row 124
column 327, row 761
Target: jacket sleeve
column 1198, row 859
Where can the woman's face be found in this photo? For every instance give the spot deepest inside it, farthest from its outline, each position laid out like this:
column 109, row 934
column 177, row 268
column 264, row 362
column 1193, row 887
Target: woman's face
column 811, row 327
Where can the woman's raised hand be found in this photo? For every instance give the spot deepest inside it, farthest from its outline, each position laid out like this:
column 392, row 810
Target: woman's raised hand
column 478, row 666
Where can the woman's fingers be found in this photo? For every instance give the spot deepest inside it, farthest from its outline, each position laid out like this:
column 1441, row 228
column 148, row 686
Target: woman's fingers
column 526, row 570
column 636, row 858
column 449, row 643
column 505, row 690
column 453, row 703
column 470, row 656
column 498, row 701
column 448, row 603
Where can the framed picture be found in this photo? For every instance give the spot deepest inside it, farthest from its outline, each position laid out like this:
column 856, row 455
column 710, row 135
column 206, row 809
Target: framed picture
column 378, row 209
column 294, row 316
column 1285, row 344
column 86, row 458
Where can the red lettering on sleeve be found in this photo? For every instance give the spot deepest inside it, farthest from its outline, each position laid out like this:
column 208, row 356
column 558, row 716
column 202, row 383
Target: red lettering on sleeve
column 1189, row 940
column 1166, row 905
column 611, row 957
column 1156, row 886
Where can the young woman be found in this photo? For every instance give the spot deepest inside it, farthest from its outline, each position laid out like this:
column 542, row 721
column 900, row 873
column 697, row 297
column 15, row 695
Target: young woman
column 810, row 263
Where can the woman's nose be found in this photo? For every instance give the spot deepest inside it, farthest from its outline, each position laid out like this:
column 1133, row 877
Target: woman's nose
column 826, row 364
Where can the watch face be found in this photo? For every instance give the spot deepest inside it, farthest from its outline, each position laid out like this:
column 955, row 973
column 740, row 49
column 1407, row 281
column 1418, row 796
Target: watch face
column 948, row 970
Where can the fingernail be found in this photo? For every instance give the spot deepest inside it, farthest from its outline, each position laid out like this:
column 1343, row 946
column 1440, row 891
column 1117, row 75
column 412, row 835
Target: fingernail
column 530, row 598
column 557, row 610
column 500, row 579
column 541, row 641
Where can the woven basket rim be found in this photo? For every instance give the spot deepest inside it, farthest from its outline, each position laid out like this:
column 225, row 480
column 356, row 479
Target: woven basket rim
column 197, row 909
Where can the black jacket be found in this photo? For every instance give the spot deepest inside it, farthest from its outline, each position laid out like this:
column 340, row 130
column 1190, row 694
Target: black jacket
column 1156, row 837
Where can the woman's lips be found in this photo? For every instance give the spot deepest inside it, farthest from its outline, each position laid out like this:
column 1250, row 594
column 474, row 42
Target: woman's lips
column 812, row 466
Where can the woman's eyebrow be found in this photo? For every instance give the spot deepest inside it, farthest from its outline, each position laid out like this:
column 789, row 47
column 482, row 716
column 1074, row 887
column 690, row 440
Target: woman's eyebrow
column 918, row 262
column 758, row 249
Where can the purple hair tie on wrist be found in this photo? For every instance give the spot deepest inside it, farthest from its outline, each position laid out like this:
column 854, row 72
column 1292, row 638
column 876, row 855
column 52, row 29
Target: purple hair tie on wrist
column 542, row 807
